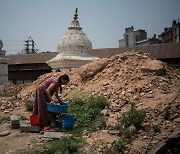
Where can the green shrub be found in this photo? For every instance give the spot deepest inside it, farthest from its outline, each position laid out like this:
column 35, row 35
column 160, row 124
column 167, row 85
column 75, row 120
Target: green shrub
column 166, row 113
column 124, row 57
column 29, row 105
column 120, row 145
column 77, row 98
column 97, row 124
column 99, row 102
column 156, row 128
column 65, row 145
column 118, row 126
column 101, row 123
column 133, row 117
column 87, row 109
column 128, row 132
column 4, row 120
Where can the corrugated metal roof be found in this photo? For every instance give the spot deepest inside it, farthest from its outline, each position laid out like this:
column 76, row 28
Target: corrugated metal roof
column 159, row 51
column 31, row 58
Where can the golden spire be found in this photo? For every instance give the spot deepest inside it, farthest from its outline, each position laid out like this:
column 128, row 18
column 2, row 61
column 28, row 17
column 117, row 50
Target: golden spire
column 75, row 22
column 76, row 14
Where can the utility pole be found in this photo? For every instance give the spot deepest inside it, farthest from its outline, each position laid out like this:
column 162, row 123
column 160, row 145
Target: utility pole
column 29, row 46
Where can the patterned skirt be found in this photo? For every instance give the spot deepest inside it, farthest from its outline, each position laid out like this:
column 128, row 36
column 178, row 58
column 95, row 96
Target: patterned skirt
column 40, row 107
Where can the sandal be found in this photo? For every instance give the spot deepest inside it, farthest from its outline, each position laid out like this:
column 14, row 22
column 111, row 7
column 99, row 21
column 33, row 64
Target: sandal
column 46, row 128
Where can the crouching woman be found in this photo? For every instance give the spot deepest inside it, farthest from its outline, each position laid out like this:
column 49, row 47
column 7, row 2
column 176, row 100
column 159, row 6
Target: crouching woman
column 44, row 93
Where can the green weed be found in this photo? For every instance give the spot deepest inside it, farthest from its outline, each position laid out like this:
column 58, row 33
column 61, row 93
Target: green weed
column 166, row 113
column 156, row 128
column 133, row 117
column 29, row 105
column 120, row 145
column 65, row 145
column 4, row 120
column 128, row 133
column 87, row 110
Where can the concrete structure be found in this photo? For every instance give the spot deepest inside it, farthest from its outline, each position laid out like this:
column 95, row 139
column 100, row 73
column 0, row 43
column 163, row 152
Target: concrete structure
column 131, row 37
column 74, row 48
column 171, row 34
column 25, row 126
column 176, row 31
column 3, row 68
column 166, row 36
column 153, row 40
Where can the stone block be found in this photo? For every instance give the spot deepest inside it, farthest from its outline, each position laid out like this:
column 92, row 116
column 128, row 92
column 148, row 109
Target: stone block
column 50, row 134
column 14, row 121
column 25, row 126
column 153, row 66
column 4, row 133
column 114, row 132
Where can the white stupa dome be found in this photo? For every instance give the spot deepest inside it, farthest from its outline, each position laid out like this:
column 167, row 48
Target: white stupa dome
column 74, row 48
column 74, row 41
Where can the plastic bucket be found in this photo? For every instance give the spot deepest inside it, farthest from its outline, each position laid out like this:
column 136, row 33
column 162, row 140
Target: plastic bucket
column 34, row 120
column 68, row 121
column 58, row 108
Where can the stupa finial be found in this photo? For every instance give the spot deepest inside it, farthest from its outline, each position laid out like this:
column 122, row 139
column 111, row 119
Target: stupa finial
column 75, row 22
column 76, row 14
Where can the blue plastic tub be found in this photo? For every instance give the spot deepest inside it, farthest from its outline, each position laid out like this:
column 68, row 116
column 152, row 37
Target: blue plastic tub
column 58, row 108
column 68, row 121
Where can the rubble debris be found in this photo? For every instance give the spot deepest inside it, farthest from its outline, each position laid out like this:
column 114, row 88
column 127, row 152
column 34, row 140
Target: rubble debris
column 131, row 76
column 4, row 133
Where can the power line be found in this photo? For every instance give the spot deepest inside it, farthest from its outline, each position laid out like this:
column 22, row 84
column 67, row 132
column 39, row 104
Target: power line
column 12, row 41
column 9, row 44
column 12, row 50
column 29, row 46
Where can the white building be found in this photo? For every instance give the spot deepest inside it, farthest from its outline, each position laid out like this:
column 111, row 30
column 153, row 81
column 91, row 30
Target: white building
column 74, row 48
column 3, row 68
column 131, row 37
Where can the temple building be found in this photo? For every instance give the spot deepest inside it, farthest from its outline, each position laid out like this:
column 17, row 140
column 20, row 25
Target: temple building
column 3, row 68
column 74, row 48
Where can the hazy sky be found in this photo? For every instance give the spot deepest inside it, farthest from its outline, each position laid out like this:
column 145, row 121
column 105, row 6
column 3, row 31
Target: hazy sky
column 103, row 21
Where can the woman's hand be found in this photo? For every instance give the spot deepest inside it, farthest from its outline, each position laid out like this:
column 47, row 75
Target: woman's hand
column 52, row 102
column 58, row 98
column 59, row 101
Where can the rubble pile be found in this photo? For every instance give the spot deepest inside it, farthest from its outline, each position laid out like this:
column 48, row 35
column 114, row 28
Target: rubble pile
column 9, row 104
column 11, row 89
column 128, row 77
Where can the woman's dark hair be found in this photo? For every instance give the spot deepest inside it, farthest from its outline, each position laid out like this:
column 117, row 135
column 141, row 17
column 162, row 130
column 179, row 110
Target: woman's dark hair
column 62, row 77
column 65, row 77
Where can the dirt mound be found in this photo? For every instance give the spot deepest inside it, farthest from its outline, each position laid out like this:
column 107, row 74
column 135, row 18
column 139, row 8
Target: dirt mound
column 131, row 76
column 11, row 89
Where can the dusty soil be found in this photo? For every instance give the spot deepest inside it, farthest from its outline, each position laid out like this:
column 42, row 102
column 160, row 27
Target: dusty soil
column 13, row 141
column 17, row 141
column 132, row 76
